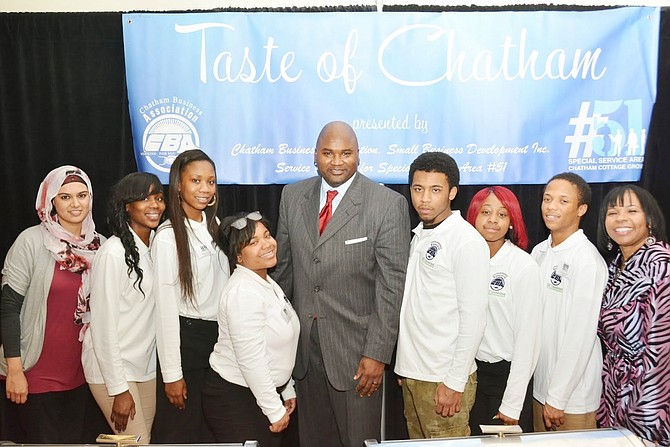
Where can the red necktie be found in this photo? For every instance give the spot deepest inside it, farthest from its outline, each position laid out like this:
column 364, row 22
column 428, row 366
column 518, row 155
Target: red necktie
column 327, row 210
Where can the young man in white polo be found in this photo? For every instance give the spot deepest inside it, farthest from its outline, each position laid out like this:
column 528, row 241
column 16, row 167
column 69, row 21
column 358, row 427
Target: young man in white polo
column 444, row 307
column 567, row 382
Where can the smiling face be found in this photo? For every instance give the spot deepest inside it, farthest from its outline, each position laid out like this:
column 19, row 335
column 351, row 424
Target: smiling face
column 261, row 252
column 336, row 155
column 197, row 186
column 431, row 196
column 72, row 204
column 561, row 210
column 145, row 215
column 493, row 222
column 626, row 224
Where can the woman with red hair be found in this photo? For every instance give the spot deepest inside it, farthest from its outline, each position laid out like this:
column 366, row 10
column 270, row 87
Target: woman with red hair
column 509, row 350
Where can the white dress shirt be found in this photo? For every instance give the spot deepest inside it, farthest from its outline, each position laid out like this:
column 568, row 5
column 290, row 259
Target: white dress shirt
column 341, row 191
column 210, row 273
column 120, row 344
column 258, row 339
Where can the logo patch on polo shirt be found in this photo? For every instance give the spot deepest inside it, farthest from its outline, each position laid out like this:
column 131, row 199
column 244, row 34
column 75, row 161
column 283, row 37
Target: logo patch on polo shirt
column 432, row 250
column 559, row 274
column 497, row 285
column 498, row 282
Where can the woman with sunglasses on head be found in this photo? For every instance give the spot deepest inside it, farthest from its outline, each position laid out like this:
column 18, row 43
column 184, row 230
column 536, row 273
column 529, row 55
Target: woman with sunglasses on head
column 44, row 314
column 509, row 349
column 190, row 272
column 249, row 391
column 119, row 350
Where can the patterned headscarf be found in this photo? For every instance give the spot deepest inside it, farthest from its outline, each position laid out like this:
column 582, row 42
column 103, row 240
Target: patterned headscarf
column 71, row 252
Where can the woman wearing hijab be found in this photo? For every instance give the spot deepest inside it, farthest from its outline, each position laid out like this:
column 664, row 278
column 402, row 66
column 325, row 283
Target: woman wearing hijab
column 44, row 313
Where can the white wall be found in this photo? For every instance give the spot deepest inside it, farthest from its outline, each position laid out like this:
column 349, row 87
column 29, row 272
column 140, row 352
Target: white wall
column 181, row 5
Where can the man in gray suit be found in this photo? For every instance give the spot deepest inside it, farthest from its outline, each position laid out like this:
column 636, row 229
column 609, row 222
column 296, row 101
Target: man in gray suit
column 345, row 278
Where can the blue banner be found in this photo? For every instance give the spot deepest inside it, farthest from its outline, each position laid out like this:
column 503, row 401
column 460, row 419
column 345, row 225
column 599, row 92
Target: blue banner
column 514, row 97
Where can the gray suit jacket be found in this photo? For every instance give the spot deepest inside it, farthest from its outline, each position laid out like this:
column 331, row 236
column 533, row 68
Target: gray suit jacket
column 352, row 276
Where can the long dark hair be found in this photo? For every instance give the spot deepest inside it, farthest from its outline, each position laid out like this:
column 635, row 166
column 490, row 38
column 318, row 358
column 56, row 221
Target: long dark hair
column 178, row 218
column 652, row 210
column 131, row 188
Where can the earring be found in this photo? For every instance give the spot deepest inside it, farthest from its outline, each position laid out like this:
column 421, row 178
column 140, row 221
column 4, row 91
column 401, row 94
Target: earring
column 610, row 246
column 651, row 239
column 511, row 227
column 213, row 201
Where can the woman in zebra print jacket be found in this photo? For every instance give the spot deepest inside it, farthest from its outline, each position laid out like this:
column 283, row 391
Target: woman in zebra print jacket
column 635, row 316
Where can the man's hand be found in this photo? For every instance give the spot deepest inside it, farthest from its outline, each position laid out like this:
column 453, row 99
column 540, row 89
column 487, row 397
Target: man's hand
column 371, row 373
column 553, row 417
column 447, row 401
column 176, row 393
column 122, row 409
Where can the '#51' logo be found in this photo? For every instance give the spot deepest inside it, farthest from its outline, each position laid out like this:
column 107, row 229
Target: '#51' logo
column 601, row 131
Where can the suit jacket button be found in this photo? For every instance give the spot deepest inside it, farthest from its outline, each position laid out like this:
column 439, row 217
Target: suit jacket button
column 316, row 260
column 317, row 288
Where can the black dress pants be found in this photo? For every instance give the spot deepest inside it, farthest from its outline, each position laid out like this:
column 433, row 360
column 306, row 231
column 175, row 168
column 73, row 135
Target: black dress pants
column 233, row 414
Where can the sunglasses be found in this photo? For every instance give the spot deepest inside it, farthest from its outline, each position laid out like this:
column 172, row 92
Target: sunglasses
column 242, row 221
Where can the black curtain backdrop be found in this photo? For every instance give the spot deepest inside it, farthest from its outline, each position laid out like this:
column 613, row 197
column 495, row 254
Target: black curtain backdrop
column 63, row 100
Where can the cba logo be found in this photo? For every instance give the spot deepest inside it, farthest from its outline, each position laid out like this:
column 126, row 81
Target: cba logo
column 169, row 132
column 432, row 250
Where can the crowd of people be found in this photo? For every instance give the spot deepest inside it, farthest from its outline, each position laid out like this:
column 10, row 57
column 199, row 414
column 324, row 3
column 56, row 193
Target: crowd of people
column 187, row 328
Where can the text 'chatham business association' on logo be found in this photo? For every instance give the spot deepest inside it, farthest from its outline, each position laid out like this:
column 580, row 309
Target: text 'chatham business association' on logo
column 170, row 130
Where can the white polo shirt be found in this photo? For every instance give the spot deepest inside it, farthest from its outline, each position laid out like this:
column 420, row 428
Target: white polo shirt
column 568, row 372
column 443, row 312
column 514, row 321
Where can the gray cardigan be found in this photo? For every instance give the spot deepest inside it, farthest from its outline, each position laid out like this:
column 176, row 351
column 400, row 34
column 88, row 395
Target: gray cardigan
column 28, row 270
